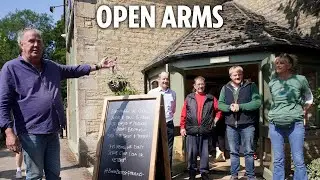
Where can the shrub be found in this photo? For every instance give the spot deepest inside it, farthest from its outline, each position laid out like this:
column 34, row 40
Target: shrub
column 314, row 169
column 317, row 96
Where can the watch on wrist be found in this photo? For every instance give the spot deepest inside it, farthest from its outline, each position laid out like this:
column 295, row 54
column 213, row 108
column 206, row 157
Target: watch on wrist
column 98, row 66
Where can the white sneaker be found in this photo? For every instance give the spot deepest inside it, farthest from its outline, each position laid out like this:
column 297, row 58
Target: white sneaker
column 218, row 152
column 220, row 156
column 18, row 175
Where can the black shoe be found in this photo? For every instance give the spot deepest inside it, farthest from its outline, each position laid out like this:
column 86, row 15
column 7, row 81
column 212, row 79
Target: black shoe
column 204, row 176
column 192, row 175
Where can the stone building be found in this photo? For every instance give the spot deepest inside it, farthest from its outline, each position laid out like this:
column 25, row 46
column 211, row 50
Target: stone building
column 273, row 25
column 87, row 43
column 249, row 40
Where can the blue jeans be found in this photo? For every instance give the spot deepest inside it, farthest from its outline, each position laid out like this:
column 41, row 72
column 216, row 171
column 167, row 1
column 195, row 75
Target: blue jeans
column 41, row 153
column 245, row 135
column 296, row 135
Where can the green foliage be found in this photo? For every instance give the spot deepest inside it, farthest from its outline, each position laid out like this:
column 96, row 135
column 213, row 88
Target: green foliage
column 59, row 44
column 54, row 44
column 126, row 91
column 58, row 53
column 13, row 22
column 317, row 96
column 120, row 85
column 314, row 169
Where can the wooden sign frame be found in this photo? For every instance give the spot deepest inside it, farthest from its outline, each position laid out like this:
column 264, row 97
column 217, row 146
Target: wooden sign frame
column 159, row 135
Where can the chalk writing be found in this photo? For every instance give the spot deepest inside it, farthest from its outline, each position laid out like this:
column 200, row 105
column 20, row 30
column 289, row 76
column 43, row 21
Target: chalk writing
column 122, row 172
column 128, row 137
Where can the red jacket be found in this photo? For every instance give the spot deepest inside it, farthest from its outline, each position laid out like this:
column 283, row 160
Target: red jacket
column 200, row 102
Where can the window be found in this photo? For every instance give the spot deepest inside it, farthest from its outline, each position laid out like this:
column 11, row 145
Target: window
column 154, row 84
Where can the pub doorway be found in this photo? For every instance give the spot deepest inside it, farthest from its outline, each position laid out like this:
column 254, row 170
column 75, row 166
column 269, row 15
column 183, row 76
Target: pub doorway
column 216, row 78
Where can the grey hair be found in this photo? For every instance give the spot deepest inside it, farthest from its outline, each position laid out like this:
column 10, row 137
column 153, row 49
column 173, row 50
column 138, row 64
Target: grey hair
column 163, row 73
column 23, row 31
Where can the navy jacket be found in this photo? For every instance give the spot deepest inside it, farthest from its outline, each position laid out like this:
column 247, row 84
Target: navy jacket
column 34, row 97
column 243, row 95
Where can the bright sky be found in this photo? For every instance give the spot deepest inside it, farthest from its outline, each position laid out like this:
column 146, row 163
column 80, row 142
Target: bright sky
column 39, row 6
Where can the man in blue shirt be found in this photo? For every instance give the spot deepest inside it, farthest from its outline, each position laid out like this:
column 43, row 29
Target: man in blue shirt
column 30, row 89
column 169, row 98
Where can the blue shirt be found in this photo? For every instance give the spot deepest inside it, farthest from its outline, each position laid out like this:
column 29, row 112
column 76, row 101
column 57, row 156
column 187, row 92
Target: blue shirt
column 169, row 98
column 34, row 97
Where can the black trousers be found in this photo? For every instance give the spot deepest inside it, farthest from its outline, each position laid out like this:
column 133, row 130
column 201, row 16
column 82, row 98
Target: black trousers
column 218, row 137
column 170, row 134
column 198, row 145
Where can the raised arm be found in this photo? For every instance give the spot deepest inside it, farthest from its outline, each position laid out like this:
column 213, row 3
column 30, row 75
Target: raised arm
column 69, row 71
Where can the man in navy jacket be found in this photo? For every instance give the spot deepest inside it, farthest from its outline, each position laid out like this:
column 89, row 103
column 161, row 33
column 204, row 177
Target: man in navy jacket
column 30, row 88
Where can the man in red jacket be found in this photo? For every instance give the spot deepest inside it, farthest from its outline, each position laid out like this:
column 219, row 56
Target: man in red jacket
column 199, row 113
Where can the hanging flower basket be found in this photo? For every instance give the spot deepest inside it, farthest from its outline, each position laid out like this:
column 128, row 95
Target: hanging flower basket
column 116, row 85
column 120, row 85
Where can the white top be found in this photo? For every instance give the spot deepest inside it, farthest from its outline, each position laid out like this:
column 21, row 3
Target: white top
column 169, row 98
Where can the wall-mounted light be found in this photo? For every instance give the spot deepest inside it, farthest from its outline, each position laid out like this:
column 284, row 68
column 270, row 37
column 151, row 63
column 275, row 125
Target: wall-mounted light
column 53, row 7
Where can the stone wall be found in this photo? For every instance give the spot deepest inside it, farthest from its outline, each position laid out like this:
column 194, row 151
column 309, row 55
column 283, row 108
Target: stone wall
column 137, row 47
column 134, row 48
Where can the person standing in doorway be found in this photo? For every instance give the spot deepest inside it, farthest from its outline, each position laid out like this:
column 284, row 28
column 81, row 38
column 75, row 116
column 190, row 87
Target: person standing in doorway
column 30, row 89
column 217, row 148
column 199, row 114
column 291, row 99
column 169, row 97
column 239, row 100
column 219, row 133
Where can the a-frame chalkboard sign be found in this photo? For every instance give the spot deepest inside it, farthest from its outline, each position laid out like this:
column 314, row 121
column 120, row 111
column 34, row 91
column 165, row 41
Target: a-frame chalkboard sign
column 132, row 140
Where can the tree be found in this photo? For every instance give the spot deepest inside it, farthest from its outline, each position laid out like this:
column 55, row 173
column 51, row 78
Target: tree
column 3, row 45
column 54, row 44
column 13, row 22
column 58, row 53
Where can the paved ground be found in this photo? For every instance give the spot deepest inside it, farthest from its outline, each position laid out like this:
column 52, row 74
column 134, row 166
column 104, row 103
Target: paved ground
column 69, row 168
column 220, row 171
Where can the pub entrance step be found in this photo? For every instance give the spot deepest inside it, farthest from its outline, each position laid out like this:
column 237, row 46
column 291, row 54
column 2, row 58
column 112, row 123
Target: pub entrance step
column 220, row 171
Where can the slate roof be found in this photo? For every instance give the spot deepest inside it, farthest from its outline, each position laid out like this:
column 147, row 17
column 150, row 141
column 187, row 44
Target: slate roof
column 242, row 29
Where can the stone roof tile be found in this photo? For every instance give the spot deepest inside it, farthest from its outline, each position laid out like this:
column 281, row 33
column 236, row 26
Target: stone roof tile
column 242, row 29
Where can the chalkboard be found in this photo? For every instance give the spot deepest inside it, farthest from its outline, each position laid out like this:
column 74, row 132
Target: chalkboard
column 132, row 139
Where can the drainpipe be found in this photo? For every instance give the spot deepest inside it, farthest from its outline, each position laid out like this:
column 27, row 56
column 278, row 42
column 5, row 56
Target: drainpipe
column 145, row 82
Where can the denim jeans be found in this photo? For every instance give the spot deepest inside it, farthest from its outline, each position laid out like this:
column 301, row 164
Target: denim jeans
column 41, row 153
column 198, row 145
column 245, row 135
column 170, row 134
column 296, row 135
